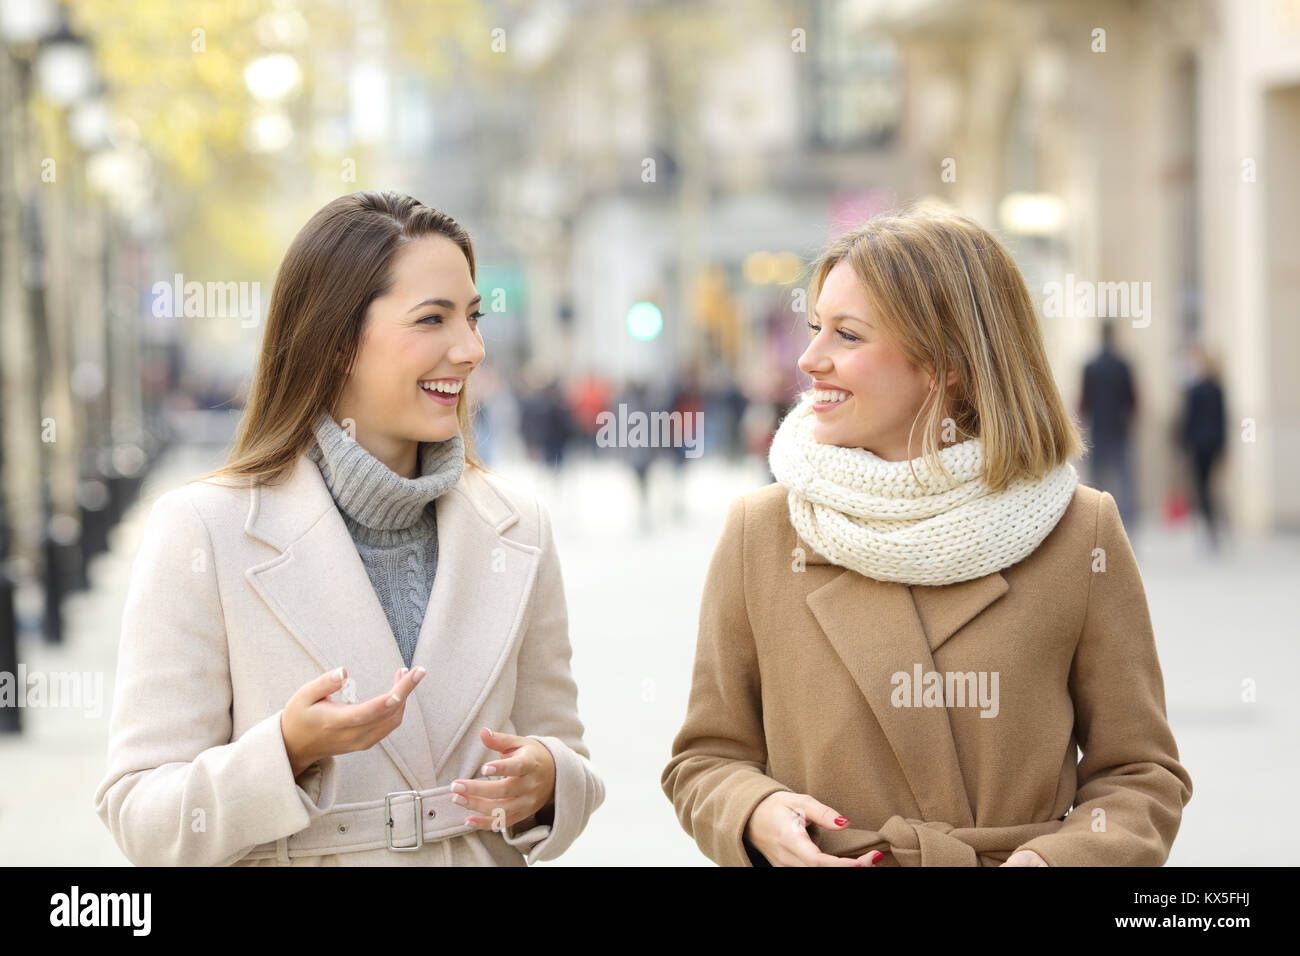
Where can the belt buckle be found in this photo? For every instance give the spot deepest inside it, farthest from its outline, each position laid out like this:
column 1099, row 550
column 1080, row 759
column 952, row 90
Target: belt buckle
column 417, row 807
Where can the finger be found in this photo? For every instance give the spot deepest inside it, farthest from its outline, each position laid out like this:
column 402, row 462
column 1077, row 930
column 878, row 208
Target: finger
column 489, row 821
column 480, row 804
column 501, row 743
column 516, row 766
column 799, row 845
column 377, row 709
column 490, row 789
column 871, row 858
column 814, row 811
column 324, row 685
column 802, row 846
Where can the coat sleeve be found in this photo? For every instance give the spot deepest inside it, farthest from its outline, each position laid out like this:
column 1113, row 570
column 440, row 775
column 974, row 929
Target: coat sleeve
column 1131, row 788
column 716, row 775
column 546, row 709
column 178, row 790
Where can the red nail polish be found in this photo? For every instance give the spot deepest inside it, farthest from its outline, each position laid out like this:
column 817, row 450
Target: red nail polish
column 879, row 856
column 841, row 821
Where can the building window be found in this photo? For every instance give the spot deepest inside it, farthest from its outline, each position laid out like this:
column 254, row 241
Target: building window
column 853, row 80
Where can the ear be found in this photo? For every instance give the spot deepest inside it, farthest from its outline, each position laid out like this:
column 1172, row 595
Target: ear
column 952, row 379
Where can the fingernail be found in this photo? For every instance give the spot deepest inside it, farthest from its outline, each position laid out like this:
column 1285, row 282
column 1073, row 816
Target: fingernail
column 392, row 701
column 879, row 856
column 458, row 799
column 489, row 770
column 841, row 821
column 458, row 787
column 340, row 674
column 419, row 673
column 402, row 671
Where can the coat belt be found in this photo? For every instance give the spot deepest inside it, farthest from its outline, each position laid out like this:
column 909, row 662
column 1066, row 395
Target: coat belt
column 931, row 843
column 353, row 827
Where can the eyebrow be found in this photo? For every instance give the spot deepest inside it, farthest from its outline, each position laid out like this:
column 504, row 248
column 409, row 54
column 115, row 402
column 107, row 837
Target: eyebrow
column 445, row 303
column 845, row 315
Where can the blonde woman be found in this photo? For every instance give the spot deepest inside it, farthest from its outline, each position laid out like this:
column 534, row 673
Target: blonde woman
column 348, row 646
column 908, row 637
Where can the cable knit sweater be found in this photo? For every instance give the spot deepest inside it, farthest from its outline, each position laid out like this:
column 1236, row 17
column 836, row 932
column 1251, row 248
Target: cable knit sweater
column 392, row 519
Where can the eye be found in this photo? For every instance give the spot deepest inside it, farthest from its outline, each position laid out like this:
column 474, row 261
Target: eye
column 437, row 319
column 847, row 336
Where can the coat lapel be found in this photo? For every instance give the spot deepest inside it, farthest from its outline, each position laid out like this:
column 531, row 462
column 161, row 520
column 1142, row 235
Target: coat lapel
column 880, row 628
column 318, row 588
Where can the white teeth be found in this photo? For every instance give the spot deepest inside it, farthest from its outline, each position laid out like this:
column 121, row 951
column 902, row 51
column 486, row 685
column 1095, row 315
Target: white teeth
column 820, row 395
column 451, row 388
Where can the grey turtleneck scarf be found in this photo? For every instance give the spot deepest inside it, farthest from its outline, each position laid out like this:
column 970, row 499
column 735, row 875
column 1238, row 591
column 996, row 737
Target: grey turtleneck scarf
column 391, row 519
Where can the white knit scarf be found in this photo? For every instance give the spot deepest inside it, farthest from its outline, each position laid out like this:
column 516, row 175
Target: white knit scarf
column 870, row 515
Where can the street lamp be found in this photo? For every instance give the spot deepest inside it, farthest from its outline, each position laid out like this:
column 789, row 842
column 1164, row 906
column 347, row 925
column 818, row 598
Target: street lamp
column 65, row 70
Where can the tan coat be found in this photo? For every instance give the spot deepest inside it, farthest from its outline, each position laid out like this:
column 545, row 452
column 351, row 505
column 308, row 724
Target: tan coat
column 794, row 689
column 239, row 597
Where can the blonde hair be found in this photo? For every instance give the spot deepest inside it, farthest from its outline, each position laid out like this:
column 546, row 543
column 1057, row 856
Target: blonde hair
column 948, row 295
column 339, row 262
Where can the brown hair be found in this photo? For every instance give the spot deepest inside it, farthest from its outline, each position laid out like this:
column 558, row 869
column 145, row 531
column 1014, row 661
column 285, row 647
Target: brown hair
column 339, row 262
column 949, row 295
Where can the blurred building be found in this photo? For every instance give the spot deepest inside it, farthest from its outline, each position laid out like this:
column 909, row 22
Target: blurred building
column 677, row 152
column 1248, row 241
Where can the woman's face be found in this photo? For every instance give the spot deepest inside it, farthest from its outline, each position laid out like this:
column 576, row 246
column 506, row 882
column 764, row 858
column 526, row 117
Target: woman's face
column 424, row 330
column 876, row 391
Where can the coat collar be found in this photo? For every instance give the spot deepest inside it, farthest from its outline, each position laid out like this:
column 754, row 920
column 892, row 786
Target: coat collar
column 318, row 588
column 905, row 626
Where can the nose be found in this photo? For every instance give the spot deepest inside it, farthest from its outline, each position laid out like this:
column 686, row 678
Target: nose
column 814, row 358
column 467, row 349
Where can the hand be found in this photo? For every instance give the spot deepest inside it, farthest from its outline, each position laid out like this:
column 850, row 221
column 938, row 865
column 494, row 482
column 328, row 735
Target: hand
column 776, row 829
column 529, row 784
column 315, row 727
column 1024, row 858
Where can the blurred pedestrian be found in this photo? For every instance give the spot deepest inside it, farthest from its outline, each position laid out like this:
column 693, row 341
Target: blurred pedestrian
column 1203, row 434
column 1108, row 406
column 639, row 454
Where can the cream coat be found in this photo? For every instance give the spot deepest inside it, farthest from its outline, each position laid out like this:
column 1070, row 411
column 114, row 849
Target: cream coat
column 794, row 689
column 238, row 597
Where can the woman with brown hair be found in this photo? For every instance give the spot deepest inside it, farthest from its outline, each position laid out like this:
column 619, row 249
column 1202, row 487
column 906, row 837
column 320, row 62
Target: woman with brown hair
column 900, row 655
column 353, row 548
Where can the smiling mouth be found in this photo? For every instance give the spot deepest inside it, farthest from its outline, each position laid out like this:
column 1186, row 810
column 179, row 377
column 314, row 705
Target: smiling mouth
column 824, row 399
column 444, row 393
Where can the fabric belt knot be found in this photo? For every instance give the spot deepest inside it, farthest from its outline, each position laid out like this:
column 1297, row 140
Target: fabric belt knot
column 926, row 843
column 915, row 842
